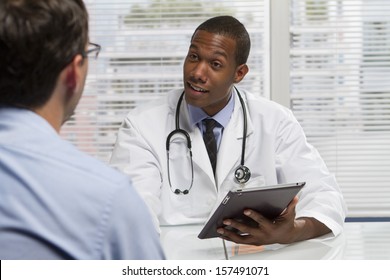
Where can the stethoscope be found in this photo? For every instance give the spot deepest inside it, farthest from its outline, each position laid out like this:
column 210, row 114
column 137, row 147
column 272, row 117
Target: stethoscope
column 242, row 173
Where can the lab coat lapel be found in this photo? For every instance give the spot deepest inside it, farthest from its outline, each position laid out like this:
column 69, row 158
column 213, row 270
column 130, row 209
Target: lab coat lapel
column 200, row 155
column 229, row 153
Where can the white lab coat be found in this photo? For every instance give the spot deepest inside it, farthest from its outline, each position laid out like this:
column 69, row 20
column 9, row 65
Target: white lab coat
column 276, row 152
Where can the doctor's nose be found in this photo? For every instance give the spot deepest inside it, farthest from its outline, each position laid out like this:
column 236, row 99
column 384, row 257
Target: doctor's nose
column 199, row 72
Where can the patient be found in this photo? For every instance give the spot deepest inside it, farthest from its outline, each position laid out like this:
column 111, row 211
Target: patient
column 56, row 202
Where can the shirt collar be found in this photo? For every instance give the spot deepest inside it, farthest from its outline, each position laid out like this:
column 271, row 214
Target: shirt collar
column 222, row 117
column 25, row 117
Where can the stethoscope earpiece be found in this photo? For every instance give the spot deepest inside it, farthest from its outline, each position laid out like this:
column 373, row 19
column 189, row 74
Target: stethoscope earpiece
column 242, row 174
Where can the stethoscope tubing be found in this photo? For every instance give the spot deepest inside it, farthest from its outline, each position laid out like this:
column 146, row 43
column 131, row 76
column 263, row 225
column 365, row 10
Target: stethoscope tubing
column 242, row 173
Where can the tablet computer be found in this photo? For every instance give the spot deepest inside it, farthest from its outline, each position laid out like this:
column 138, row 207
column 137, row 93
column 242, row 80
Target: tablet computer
column 270, row 201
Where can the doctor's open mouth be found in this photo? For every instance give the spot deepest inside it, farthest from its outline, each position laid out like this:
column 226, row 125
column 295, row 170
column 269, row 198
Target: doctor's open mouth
column 197, row 89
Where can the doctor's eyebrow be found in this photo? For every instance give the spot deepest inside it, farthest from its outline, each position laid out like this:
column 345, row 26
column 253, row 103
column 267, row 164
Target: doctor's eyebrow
column 215, row 53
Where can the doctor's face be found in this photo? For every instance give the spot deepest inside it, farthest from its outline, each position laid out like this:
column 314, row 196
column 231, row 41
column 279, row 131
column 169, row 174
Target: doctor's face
column 210, row 70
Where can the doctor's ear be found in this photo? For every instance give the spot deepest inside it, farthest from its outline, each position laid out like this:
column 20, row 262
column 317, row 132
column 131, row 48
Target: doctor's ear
column 241, row 71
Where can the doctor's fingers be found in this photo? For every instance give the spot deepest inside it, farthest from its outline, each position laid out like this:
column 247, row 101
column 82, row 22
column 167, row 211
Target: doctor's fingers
column 253, row 236
column 233, row 236
column 257, row 217
column 259, row 226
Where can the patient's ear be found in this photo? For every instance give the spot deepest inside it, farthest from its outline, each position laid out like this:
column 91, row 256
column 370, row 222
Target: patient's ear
column 74, row 73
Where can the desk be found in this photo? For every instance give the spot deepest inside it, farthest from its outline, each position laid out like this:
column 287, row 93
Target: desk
column 359, row 241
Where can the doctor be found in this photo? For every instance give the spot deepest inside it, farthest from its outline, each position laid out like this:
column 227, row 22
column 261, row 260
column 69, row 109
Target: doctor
column 256, row 139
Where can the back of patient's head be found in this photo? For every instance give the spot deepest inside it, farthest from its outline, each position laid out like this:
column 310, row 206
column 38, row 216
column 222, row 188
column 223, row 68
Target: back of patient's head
column 38, row 38
column 230, row 27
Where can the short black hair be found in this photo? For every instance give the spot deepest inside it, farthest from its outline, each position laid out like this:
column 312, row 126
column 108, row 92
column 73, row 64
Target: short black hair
column 38, row 38
column 229, row 26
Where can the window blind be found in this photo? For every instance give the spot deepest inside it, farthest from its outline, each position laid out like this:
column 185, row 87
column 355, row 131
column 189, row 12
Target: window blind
column 340, row 92
column 143, row 47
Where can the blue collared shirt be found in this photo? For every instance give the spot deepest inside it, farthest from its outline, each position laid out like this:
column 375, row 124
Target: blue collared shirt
column 58, row 203
column 197, row 115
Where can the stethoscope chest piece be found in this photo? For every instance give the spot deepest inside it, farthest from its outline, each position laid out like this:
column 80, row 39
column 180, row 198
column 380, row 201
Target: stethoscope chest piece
column 242, row 174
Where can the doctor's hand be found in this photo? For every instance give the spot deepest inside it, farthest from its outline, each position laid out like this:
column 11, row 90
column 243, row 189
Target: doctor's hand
column 284, row 229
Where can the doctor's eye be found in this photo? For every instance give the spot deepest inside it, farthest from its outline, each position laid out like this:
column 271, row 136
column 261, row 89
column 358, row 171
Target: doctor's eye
column 192, row 57
column 216, row 64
